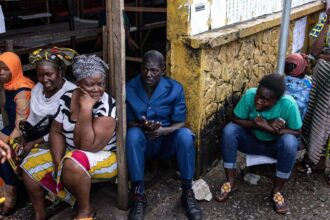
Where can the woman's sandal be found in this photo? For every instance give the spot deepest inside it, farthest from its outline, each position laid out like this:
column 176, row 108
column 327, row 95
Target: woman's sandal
column 304, row 168
column 328, row 179
column 225, row 191
column 307, row 166
column 279, row 204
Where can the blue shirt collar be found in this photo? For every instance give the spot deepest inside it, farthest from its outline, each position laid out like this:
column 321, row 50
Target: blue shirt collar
column 161, row 88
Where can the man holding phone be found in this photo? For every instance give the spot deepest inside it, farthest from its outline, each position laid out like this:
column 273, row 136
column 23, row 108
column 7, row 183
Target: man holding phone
column 156, row 115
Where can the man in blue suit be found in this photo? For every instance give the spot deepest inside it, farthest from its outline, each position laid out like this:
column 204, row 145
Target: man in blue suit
column 156, row 115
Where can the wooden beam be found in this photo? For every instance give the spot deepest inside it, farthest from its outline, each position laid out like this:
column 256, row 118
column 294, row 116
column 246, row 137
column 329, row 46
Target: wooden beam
column 71, row 22
column 146, row 9
column 116, row 38
column 55, row 36
column 134, row 59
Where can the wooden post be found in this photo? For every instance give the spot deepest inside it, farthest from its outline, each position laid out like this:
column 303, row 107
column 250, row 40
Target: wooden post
column 71, row 22
column 116, row 54
column 9, row 45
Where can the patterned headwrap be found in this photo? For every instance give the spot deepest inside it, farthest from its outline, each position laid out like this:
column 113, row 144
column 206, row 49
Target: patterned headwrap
column 60, row 56
column 85, row 66
column 300, row 60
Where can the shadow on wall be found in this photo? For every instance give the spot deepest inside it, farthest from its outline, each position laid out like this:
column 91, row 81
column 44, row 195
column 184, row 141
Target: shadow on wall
column 211, row 134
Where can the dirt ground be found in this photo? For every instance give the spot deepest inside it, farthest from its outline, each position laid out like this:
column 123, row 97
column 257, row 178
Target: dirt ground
column 308, row 197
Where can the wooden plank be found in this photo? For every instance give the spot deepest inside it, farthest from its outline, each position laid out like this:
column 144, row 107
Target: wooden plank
column 134, row 59
column 110, row 85
column 55, row 36
column 47, row 44
column 42, row 29
column 145, row 9
column 115, row 22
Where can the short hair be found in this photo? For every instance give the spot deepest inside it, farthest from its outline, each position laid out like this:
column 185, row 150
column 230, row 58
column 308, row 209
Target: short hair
column 274, row 82
column 154, row 56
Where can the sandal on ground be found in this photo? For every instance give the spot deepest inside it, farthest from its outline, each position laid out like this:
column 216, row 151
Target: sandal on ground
column 93, row 217
column 225, row 191
column 279, row 204
column 309, row 167
column 304, row 168
column 328, row 179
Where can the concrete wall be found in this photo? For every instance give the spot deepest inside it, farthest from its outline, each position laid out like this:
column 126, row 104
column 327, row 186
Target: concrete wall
column 216, row 67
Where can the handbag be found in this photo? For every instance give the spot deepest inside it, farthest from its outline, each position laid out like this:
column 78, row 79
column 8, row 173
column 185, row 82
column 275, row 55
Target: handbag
column 31, row 133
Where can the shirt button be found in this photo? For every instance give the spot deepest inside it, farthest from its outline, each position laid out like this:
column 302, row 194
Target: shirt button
column 149, row 107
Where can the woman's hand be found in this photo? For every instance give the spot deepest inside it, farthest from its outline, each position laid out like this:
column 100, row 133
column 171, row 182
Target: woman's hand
column 4, row 152
column 26, row 149
column 261, row 123
column 277, row 125
column 85, row 100
column 264, row 125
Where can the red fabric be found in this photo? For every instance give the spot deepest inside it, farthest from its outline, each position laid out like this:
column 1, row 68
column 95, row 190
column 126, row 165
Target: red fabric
column 81, row 158
column 49, row 182
column 300, row 60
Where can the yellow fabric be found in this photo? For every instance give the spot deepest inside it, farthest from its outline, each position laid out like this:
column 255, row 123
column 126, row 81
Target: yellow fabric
column 39, row 163
column 315, row 32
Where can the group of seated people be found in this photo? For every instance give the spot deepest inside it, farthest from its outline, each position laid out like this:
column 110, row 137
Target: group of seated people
column 63, row 134
column 80, row 142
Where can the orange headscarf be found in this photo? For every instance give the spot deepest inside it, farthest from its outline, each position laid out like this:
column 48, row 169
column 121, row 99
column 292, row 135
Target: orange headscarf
column 17, row 81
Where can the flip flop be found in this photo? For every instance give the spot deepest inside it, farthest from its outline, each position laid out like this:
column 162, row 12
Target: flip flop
column 225, row 191
column 280, row 207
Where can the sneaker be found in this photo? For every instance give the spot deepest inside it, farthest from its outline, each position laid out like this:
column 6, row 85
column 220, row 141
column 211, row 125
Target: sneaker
column 138, row 208
column 190, row 204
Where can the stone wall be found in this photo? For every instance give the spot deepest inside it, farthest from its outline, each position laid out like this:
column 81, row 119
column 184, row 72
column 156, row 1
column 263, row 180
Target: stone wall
column 216, row 72
column 229, row 70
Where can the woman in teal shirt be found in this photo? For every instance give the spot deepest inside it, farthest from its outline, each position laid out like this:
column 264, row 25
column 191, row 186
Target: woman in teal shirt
column 266, row 122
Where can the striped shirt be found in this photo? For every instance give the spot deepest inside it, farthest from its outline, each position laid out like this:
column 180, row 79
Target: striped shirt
column 101, row 109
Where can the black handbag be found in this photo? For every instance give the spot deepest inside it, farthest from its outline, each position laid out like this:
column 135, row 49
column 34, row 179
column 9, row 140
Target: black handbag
column 31, row 133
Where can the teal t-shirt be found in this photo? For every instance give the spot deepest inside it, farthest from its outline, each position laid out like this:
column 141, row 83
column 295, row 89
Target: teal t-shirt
column 285, row 108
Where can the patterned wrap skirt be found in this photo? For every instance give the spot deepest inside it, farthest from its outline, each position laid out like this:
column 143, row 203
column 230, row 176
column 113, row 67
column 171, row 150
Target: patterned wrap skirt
column 316, row 124
column 39, row 166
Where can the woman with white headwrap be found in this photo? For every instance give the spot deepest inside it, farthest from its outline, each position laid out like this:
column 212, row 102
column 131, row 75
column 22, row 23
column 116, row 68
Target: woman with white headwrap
column 82, row 141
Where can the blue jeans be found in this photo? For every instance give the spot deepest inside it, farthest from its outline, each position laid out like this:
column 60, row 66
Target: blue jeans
column 180, row 143
column 284, row 148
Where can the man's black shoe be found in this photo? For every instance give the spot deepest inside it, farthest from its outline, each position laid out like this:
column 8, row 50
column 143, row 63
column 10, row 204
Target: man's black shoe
column 138, row 208
column 190, row 204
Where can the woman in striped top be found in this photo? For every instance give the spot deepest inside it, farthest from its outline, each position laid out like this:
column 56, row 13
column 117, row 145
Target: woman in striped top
column 82, row 143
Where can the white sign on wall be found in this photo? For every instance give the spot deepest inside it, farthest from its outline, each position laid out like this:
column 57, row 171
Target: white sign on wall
column 218, row 13
column 206, row 14
column 2, row 22
column 199, row 16
column 299, row 34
